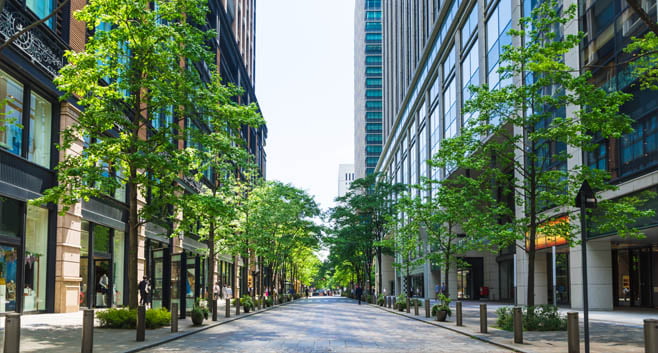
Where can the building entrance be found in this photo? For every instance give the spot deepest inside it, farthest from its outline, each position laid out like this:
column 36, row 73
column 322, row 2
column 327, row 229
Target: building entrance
column 635, row 277
column 470, row 277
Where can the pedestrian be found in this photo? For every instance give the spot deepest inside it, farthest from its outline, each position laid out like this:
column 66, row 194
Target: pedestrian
column 306, row 292
column 444, row 290
column 143, row 290
column 358, row 292
column 216, row 291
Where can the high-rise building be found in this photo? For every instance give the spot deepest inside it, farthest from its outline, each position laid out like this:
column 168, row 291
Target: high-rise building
column 433, row 50
column 367, row 86
column 53, row 263
column 345, row 178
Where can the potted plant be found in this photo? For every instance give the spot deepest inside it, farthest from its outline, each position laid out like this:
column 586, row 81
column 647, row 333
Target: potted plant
column 269, row 301
column 401, row 301
column 441, row 311
column 199, row 313
column 247, row 303
column 381, row 300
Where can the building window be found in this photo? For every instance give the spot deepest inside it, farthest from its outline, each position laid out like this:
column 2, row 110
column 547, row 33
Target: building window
column 470, row 26
column 11, row 133
column 373, row 4
column 373, row 93
column 373, row 150
column 639, row 149
column 373, row 59
column 373, row 71
column 376, row 105
column 373, row 82
column 470, row 75
column 373, row 26
column 373, row 138
column 449, row 63
column 450, row 110
column 371, row 161
column 373, row 127
column 14, row 126
column 373, row 116
column 373, row 37
column 373, row 15
column 40, row 130
column 373, row 49
column 498, row 26
column 41, row 8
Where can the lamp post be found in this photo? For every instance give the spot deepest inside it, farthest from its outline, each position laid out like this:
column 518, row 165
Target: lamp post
column 585, row 199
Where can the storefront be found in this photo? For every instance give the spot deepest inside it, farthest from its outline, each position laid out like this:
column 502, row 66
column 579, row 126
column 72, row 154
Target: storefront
column 635, row 277
column 102, row 266
column 470, row 277
column 560, row 277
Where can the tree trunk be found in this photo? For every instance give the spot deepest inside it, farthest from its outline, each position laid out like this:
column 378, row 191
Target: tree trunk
column 133, row 240
column 644, row 16
column 211, row 262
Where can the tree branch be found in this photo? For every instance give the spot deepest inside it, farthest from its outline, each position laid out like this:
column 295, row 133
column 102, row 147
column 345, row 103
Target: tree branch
column 644, row 16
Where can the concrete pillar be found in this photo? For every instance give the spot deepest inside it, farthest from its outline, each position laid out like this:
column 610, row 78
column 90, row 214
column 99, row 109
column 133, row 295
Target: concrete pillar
column 12, row 333
column 599, row 276
column 174, row 317
column 88, row 331
column 573, row 333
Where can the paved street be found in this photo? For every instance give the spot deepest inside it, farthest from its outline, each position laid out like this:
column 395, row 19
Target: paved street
column 327, row 324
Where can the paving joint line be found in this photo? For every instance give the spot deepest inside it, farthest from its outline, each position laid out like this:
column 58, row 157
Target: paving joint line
column 468, row 334
column 203, row 328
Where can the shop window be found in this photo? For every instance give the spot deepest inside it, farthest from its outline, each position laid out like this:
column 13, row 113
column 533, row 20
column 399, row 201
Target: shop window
column 41, row 8
column 118, row 264
column 8, row 264
column 36, row 254
column 10, row 218
column 101, row 239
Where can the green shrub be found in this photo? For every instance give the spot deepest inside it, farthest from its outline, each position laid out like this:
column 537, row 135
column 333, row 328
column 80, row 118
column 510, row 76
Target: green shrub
column 537, row 318
column 247, row 302
column 381, row 300
column 401, row 301
column 124, row 318
column 269, row 301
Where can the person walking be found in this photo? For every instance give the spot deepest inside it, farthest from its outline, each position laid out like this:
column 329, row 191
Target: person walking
column 358, row 292
column 306, row 292
column 143, row 291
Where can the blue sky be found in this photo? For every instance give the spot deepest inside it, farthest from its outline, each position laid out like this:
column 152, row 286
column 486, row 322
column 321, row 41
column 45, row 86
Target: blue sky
column 305, row 85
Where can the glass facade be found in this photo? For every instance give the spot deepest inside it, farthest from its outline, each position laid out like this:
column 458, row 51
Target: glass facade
column 36, row 255
column 498, row 26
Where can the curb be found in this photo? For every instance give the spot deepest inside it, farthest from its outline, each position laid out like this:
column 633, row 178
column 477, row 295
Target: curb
column 203, row 328
column 473, row 336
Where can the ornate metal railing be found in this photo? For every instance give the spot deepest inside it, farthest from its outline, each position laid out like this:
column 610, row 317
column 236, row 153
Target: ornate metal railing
column 37, row 44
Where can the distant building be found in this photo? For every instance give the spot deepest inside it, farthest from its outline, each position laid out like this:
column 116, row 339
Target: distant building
column 345, row 178
column 367, row 86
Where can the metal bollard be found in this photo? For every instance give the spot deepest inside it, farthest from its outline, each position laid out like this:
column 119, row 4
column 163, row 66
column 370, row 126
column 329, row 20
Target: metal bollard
column 394, row 307
column 87, row 331
column 12, row 333
column 518, row 324
column 459, row 317
column 141, row 323
column 416, row 307
column 228, row 308
column 408, row 305
column 483, row 318
column 427, row 308
column 237, row 306
column 573, row 333
column 214, row 309
column 650, row 336
column 174, row 317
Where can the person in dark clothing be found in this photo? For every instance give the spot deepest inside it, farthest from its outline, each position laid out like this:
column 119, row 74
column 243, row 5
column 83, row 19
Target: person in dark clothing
column 143, row 291
column 358, row 292
column 306, row 292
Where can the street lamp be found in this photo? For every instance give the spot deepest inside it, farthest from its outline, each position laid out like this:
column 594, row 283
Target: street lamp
column 585, row 199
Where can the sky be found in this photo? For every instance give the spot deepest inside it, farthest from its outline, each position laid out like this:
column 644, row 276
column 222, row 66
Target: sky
column 305, row 85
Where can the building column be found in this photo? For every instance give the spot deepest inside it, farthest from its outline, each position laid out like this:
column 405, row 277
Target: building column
column 599, row 276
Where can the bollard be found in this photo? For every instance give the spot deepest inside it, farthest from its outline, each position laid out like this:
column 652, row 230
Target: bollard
column 237, row 306
column 228, row 308
column 650, row 336
column 174, row 317
column 394, row 307
column 258, row 303
column 483, row 318
column 12, row 333
column 88, row 331
column 427, row 308
column 518, row 324
column 408, row 305
column 573, row 333
column 388, row 302
column 214, row 309
column 459, row 317
column 416, row 307
column 141, row 323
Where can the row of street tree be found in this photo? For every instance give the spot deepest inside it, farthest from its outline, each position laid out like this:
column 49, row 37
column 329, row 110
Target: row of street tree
column 157, row 121
column 513, row 171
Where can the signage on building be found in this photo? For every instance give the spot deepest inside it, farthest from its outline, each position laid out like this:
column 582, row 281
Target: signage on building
column 553, row 227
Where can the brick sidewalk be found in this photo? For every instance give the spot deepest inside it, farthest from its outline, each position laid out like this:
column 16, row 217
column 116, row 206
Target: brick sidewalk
column 604, row 336
column 63, row 333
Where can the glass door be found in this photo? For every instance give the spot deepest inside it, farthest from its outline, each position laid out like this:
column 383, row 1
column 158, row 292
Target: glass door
column 103, row 294
column 158, row 277
column 8, row 280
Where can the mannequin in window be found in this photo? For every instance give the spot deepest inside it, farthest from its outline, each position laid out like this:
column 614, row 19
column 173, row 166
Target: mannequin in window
column 104, row 283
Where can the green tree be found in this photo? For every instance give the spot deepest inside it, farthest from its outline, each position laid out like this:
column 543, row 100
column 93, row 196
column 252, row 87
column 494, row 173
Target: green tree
column 139, row 90
column 524, row 133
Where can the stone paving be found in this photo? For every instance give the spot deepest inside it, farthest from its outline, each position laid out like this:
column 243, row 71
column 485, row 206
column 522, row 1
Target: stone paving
column 327, row 324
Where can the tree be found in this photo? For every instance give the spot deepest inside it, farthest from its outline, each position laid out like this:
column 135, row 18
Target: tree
column 139, row 88
column 369, row 199
column 525, row 132
column 223, row 166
